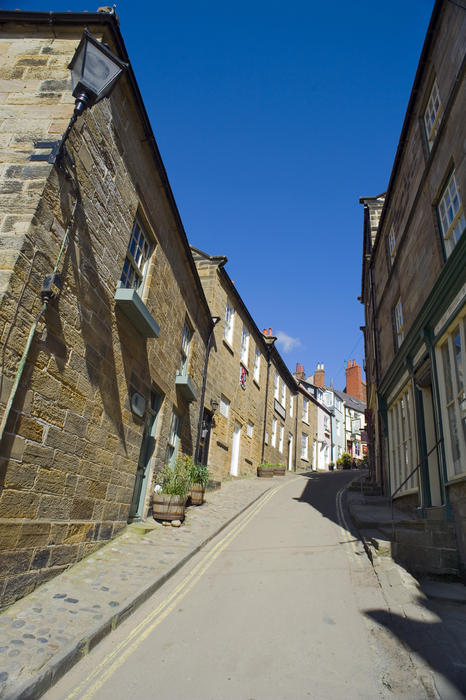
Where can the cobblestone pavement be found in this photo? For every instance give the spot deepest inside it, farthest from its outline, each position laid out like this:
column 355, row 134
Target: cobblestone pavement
column 45, row 633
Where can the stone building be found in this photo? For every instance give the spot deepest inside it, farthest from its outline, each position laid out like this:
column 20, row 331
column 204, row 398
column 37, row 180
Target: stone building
column 413, row 291
column 248, row 408
column 111, row 383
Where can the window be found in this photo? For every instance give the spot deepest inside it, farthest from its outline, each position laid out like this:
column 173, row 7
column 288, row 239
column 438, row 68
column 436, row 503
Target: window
column 229, row 323
column 433, row 115
column 224, row 406
column 305, row 417
column 326, row 423
column 137, row 256
column 276, row 392
column 392, row 245
column 250, row 429
column 280, row 439
column 451, row 215
column 274, row 432
column 304, row 446
column 173, row 438
column 185, row 347
column 257, row 364
column 283, row 398
column 291, row 406
column 399, row 324
column 244, row 346
column 402, row 445
column 337, row 424
column 453, row 398
column 337, row 403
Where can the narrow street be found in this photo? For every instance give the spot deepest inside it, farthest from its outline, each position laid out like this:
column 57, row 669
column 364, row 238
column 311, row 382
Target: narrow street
column 274, row 607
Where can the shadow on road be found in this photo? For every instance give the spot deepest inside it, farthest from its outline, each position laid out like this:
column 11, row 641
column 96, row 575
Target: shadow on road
column 322, row 488
column 441, row 644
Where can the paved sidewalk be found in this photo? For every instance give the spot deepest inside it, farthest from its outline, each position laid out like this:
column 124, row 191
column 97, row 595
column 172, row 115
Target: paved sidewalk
column 427, row 616
column 48, row 631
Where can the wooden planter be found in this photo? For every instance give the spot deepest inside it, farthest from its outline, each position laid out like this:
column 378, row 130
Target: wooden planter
column 165, row 507
column 197, row 494
column 279, row 471
column 265, row 472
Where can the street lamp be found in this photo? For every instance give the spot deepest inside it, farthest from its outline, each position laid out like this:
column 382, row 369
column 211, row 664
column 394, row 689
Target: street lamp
column 94, row 72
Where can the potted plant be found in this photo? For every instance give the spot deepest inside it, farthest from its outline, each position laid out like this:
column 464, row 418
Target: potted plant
column 171, row 490
column 199, row 476
column 279, row 470
column 331, row 466
column 265, row 470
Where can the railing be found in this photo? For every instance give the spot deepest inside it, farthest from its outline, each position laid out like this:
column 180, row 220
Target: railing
column 423, row 461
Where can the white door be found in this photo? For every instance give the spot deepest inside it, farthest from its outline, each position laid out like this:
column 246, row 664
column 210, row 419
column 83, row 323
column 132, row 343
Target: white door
column 235, row 449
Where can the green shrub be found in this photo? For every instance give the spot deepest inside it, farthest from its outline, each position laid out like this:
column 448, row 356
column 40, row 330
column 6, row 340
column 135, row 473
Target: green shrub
column 175, row 481
column 346, row 460
column 199, row 474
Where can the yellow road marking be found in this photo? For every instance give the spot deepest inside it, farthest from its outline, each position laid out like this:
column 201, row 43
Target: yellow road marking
column 125, row 648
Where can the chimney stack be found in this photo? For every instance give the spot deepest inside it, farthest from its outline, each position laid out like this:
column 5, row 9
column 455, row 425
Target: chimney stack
column 354, row 385
column 299, row 374
column 319, row 375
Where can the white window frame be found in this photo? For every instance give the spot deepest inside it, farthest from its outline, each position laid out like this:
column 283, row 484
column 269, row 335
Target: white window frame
column 281, row 438
column 392, row 244
column 138, row 253
column 433, row 115
column 399, row 322
column 257, row 365
column 305, row 415
column 229, row 323
column 283, row 395
column 291, row 406
column 244, row 354
column 402, row 441
column 186, row 338
column 173, row 438
column 304, row 446
column 250, row 429
column 451, row 214
column 276, row 392
column 273, row 441
column 452, row 368
column 224, row 406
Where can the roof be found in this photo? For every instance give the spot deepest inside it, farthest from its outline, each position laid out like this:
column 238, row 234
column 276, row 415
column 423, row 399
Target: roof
column 351, row 401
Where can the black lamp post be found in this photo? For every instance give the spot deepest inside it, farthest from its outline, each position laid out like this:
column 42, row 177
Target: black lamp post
column 94, row 72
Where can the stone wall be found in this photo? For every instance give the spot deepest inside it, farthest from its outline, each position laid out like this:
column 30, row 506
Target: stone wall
column 69, row 456
column 457, row 494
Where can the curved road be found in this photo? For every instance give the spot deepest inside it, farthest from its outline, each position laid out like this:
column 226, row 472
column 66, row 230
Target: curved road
column 274, row 608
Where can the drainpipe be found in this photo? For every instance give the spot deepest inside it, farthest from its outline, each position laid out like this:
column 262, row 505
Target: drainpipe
column 214, row 320
column 296, row 434
column 50, row 290
column 376, row 358
column 270, row 340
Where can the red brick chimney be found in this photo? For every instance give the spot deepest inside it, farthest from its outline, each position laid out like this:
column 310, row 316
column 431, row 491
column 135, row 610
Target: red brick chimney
column 319, row 375
column 299, row 374
column 354, row 385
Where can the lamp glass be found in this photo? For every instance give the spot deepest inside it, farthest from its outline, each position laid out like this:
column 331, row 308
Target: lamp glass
column 94, row 69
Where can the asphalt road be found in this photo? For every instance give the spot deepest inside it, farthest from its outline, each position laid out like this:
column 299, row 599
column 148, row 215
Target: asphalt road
column 275, row 607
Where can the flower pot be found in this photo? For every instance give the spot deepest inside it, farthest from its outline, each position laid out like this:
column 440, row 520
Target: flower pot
column 197, row 494
column 279, row 471
column 167, row 507
column 265, row 472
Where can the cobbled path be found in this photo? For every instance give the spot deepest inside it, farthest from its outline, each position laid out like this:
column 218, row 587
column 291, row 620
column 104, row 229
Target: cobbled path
column 45, row 633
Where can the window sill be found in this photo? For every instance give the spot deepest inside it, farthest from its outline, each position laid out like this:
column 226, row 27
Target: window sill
column 132, row 306
column 228, row 346
column 186, row 387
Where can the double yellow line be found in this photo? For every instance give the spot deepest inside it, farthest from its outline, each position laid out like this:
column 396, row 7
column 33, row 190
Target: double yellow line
column 124, row 649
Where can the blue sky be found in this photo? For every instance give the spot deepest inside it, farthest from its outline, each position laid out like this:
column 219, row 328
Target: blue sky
column 272, row 119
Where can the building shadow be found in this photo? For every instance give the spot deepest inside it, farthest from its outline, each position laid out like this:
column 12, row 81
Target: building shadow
column 442, row 644
column 321, row 490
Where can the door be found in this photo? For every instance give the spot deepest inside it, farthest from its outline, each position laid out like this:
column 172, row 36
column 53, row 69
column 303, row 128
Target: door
column 235, row 448
column 290, row 451
column 145, row 454
column 205, row 437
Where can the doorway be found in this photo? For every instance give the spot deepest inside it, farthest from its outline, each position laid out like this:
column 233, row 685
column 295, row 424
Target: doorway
column 290, row 452
column 235, row 448
column 145, row 455
column 204, row 442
